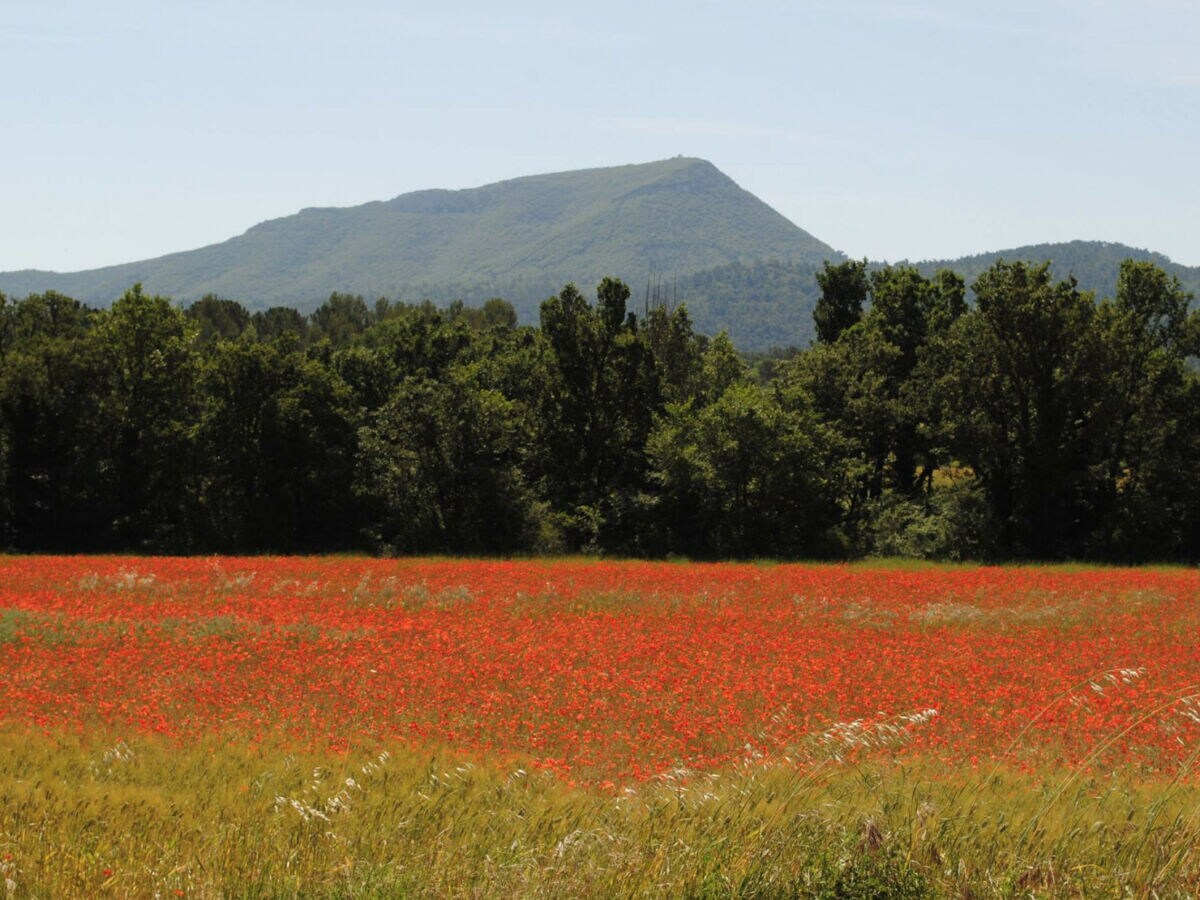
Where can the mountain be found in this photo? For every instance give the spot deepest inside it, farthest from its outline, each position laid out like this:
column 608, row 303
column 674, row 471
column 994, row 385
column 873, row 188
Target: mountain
column 677, row 229
column 521, row 239
column 1093, row 264
column 762, row 304
column 769, row 303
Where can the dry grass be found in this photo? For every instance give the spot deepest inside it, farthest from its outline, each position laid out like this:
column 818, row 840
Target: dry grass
column 149, row 818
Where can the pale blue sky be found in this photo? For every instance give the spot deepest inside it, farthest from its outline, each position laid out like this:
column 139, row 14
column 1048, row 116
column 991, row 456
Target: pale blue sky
column 888, row 128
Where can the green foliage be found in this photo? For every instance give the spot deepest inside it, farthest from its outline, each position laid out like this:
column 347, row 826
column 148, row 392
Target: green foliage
column 954, row 522
column 843, row 293
column 865, row 381
column 340, row 319
column 677, row 351
column 761, row 304
column 596, row 412
column 1036, row 423
column 438, row 470
column 218, row 318
column 743, row 476
column 277, row 439
column 279, row 322
column 145, row 353
column 1144, row 462
column 720, row 369
column 870, row 875
column 1019, row 391
column 1095, row 265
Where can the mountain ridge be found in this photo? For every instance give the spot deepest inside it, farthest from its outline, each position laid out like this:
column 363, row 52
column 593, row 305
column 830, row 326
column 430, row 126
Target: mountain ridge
column 1089, row 261
column 769, row 303
column 679, row 215
column 740, row 265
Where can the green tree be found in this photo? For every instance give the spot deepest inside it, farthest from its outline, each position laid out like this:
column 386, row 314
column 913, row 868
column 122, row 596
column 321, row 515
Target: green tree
column 594, row 414
column 721, row 367
column 869, row 386
column 744, row 476
column 279, row 322
column 277, row 437
column 418, row 341
column 341, row 318
column 147, row 402
column 848, row 385
column 1021, row 379
column 1145, row 424
column 437, row 468
column 6, row 326
column 843, row 293
column 41, row 316
column 678, row 351
column 57, row 484
column 218, row 318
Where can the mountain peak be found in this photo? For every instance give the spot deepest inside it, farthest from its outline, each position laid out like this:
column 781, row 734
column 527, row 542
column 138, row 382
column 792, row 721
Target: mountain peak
column 522, row 239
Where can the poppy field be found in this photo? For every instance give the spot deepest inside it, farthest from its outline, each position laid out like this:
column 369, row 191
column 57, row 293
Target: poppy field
column 344, row 725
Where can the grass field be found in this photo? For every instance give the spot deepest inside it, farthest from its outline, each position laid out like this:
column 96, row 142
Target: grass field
column 272, row 727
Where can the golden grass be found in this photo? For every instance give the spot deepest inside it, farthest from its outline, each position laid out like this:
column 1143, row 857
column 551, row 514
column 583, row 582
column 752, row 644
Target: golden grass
column 152, row 818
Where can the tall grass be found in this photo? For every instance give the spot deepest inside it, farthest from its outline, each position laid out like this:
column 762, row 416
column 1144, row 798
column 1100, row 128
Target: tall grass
column 150, row 818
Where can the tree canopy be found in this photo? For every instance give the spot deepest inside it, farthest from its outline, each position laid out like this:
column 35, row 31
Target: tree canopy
column 1033, row 422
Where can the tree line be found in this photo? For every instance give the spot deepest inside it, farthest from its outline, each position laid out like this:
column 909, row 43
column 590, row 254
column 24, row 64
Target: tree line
column 1031, row 422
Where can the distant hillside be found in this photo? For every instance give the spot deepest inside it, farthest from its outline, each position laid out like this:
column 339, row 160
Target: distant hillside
column 521, row 239
column 763, row 304
column 678, row 224
column 1094, row 264
column 769, row 303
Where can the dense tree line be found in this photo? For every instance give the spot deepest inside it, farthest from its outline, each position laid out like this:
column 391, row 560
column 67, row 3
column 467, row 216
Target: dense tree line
column 1035, row 422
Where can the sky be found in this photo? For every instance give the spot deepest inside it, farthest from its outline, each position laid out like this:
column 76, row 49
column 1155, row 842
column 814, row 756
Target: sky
column 887, row 128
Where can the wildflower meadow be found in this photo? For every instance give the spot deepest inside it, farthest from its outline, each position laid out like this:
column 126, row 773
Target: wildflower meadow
column 346, row 726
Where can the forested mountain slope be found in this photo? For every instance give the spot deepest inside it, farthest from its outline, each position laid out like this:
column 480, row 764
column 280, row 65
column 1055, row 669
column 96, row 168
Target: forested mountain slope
column 520, row 239
column 769, row 303
column 1093, row 264
column 677, row 231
